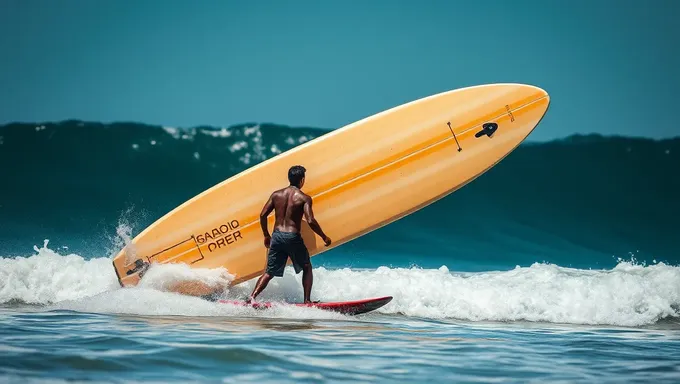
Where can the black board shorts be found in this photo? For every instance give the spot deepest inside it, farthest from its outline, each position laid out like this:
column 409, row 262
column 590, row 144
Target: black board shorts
column 282, row 246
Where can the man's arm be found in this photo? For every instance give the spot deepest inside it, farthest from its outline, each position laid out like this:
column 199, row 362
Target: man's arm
column 309, row 216
column 266, row 210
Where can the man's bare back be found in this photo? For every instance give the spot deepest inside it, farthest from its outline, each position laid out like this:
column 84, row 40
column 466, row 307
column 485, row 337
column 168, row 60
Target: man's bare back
column 289, row 205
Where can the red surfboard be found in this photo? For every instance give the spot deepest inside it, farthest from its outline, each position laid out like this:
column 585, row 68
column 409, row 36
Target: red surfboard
column 355, row 307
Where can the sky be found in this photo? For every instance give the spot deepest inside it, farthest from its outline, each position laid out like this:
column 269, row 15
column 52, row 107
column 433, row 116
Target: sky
column 610, row 67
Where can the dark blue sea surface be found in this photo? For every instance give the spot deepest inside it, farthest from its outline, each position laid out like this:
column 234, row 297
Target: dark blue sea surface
column 561, row 263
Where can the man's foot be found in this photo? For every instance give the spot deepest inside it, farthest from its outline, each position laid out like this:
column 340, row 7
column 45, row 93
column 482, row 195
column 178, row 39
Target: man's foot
column 249, row 299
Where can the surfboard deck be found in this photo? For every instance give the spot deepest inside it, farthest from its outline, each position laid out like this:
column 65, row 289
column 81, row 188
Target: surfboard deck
column 355, row 307
column 361, row 177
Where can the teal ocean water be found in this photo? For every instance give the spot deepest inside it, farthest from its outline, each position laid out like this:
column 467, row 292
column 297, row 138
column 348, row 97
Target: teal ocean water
column 561, row 263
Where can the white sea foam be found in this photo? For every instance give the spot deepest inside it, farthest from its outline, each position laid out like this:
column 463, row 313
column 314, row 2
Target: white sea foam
column 237, row 146
column 258, row 150
column 183, row 134
column 627, row 295
column 254, row 130
column 48, row 277
column 163, row 276
column 151, row 302
column 172, row 131
column 223, row 132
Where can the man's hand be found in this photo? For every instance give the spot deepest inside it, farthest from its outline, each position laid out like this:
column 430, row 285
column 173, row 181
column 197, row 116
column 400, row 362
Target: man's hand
column 327, row 241
column 267, row 241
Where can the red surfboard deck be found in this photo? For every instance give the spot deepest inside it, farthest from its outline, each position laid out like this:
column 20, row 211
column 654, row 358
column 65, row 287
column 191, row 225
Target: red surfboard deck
column 355, row 307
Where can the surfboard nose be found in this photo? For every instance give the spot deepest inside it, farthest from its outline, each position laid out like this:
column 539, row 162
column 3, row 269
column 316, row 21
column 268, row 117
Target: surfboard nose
column 533, row 111
column 519, row 114
column 509, row 114
column 542, row 95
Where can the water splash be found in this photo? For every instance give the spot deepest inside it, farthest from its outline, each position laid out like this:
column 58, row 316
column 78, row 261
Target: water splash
column 47, row 277
column 628, row 295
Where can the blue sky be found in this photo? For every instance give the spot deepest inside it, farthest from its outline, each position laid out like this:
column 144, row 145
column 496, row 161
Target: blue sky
column 610, row 66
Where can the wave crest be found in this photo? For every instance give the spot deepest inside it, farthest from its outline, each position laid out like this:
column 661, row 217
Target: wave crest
column 627, row 295
column 48, row 277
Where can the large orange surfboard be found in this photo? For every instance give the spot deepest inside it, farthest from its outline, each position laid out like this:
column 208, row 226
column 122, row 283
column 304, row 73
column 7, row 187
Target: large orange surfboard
column 361, row 177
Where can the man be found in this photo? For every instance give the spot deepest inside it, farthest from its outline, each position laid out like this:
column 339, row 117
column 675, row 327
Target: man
column 289, row 204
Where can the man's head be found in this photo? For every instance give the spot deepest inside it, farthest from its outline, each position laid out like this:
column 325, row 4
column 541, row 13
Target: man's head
column 296, row 175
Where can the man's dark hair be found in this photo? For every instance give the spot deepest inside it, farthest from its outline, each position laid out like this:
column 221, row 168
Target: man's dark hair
column 295, row 174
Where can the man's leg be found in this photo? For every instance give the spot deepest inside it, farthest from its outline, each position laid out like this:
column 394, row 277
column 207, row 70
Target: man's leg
column 276, row 262
column 260, row 286
column 300, row 257
column 307, row 279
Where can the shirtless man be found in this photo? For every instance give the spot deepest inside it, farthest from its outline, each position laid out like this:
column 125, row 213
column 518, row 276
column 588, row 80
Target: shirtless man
column 290, row 204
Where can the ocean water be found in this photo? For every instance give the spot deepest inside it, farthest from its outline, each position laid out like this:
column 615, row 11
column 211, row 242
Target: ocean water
column 562, row 263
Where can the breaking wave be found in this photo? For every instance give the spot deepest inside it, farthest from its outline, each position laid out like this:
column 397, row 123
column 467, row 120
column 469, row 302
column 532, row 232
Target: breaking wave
column 628, row 295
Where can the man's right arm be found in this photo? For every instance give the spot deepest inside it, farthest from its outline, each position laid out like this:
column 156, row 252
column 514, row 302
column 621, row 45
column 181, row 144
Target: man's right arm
column 266, row 210
column 311, row 220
